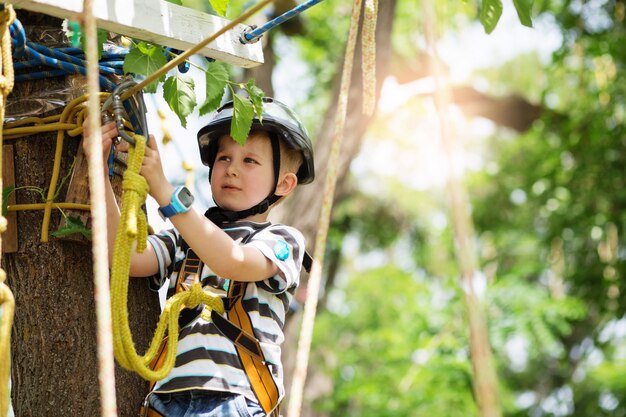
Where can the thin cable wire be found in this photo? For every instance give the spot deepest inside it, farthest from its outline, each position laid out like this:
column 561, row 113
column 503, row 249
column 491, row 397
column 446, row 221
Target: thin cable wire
column 253, row 35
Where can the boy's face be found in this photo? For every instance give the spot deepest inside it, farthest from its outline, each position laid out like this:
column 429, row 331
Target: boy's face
column 242, row 176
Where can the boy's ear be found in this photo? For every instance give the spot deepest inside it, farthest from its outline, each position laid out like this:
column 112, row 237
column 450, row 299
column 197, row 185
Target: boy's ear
column 286, row 184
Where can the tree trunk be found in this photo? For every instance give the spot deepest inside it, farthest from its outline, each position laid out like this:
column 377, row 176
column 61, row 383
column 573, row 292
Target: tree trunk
column 54, row 362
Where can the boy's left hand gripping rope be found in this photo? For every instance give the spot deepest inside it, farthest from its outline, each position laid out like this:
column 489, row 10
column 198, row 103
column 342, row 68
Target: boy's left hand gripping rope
column 133, row 226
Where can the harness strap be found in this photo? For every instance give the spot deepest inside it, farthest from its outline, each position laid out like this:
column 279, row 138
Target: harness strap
column 250, row 353
column 237, row 328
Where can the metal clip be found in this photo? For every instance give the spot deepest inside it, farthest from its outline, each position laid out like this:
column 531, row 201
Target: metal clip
column 134, row 109
column 248, row 37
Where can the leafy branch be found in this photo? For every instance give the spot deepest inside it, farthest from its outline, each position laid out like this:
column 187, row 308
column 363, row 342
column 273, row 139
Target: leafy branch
column 179, row 90
column 491, row 11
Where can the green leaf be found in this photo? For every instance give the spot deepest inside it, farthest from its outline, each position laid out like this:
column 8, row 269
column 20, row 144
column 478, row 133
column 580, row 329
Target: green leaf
column 6, row 192
column 103, row 36
column 524, row 8
column 243, row 113
column 179, row 2
column 145, row 59
column 220, row 6
column 490, row 13
column 72, row 225
column 216, row 79
column 256, row 95
column 179, row 94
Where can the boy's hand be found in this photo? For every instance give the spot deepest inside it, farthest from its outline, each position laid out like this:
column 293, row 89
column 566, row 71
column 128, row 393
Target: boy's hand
column 109, row 134
column 152, row 171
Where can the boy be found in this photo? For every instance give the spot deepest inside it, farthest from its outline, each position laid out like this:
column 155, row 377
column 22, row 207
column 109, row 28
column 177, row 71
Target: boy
column 251, row 263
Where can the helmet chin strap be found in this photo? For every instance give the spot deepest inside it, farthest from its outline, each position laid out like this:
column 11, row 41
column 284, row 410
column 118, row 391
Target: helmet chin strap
column 218, row 215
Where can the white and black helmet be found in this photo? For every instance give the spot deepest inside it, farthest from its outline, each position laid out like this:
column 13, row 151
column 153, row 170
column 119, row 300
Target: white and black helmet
column 282, row 124
column 277, row 118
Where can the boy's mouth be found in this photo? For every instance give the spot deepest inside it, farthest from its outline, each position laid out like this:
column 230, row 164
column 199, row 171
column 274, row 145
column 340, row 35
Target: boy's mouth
column 228, row 187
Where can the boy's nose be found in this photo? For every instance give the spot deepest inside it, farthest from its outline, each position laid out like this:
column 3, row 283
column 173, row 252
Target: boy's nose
column 232, row 170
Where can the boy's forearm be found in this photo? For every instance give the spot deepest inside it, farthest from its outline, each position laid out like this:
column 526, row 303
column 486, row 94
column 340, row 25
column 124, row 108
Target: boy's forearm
column 217, row 249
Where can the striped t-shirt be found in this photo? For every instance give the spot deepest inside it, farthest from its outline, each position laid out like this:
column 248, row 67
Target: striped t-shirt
column 205, row 359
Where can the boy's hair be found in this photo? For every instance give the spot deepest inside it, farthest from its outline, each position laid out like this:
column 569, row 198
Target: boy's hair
column 290, row 159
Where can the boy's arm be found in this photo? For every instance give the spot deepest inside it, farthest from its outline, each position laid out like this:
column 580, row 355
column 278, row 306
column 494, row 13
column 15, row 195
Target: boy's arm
column 141, row 264
column 213, row 246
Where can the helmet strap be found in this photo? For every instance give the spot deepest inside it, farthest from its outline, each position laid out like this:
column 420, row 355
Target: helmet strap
column 219, row 215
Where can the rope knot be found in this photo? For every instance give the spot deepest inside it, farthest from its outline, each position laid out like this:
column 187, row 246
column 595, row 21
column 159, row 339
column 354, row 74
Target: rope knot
column 196, row 295
column 136, row 183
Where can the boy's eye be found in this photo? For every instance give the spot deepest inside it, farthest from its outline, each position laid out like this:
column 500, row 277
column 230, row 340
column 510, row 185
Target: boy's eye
column 222, row 158
column 250, row 161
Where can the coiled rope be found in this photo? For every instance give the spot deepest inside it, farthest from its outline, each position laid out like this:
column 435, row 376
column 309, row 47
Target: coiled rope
column 133, row 227
column 57, row 59
column 7, row 301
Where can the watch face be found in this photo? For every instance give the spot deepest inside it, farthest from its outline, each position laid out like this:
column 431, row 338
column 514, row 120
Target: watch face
column 185, row 197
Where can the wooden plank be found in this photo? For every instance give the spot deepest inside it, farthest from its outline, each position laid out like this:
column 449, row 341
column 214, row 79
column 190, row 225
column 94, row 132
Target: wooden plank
column 9, row 237
column 159, row 22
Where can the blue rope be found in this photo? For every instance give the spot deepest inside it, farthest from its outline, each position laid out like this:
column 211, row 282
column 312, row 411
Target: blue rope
column 62, row 60
column 254, row 35
column 40, row 75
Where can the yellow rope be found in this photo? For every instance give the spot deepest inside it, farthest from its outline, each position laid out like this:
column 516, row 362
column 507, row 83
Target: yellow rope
column 133, row 227
column 68, row 122
column 42, row 206
column 7, row 301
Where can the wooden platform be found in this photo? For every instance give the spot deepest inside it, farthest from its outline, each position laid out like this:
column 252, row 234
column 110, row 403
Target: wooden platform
column 159, row 22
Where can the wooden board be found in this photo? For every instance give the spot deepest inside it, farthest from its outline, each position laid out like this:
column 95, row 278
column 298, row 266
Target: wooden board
column 9, row 237
column 159, row 22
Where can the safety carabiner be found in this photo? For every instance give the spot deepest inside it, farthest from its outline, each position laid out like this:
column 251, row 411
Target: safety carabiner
column 134, row 108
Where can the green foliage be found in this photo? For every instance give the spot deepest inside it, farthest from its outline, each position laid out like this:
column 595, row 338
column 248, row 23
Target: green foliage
column 552, row 217
column 145, row 59
column 490, row 13
column 523, row 8
column 377, row 222
column 72, row 226
column 216, row 80
column 102, row 39
column 396, row 348
column 243, row 113
column 179, row 93
column 256, row 97
column 75, row 34
column 220, row 6
column 6, row 192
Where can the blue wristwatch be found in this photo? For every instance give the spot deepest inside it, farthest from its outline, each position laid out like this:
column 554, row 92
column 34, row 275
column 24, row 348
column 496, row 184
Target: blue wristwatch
column 182, row 199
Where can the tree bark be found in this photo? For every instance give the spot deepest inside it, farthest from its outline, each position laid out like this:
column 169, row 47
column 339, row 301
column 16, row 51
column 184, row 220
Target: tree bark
column 54, row 362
